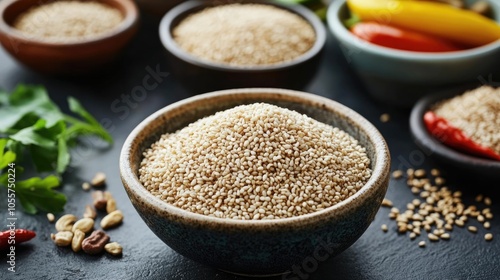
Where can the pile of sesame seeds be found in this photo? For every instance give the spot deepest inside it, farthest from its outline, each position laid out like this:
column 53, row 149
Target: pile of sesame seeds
column 255, row 162
column 68, row 21
column 245, row 34
column 476, row 113
column 438, row 210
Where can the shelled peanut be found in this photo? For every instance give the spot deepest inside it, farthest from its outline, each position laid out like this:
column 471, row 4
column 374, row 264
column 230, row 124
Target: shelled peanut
column 80, row 233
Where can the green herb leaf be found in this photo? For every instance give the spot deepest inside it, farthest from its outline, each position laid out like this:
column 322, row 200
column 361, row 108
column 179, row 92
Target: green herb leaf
column 32, row 123
column 36, row 193
column 92, row 126
column 63, row 156
column 28, row 100
column 6, row 157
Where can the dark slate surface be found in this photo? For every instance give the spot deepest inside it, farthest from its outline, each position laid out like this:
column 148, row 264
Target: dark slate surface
column 376, row 255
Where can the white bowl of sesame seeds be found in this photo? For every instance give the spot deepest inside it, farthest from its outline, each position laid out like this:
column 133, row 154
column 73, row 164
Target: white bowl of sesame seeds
column 254, row 181
column 213, row 45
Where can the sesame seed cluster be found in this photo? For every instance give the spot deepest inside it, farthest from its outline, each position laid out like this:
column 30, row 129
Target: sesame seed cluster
column 477, row 114
column 245, row 34
column 68, row 21
column 255, row 162
column 438, row 210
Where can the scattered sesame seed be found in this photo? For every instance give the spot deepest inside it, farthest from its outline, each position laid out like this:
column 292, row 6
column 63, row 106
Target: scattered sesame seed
column 386, row 203
column 421, row 244
column 459, row 223
column 413, row 235
column 437, row 209
column 479, row 198
column 396, row 174
column 488, row 237
column 385, row 118
column 419, row 173
column 439, row 181
column 487, row 201
column 384, row 228
column 432, row 237
column 435, row 172
column 472, row 229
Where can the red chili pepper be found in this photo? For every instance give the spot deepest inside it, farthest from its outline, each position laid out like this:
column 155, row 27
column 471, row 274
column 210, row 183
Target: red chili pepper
column 401, row 39
column 454, row 137
column 18, row 235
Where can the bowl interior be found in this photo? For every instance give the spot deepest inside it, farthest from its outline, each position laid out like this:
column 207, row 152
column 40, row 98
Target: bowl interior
column 182, row 113
column 13, row 8
column 179, row 13
column 338, row 13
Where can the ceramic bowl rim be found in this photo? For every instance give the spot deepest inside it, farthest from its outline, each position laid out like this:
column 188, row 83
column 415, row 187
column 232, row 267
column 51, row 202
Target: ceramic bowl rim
column 380, row 172
column 131, row 18
column 171, row 46
column 338, row 29
column 420, row 134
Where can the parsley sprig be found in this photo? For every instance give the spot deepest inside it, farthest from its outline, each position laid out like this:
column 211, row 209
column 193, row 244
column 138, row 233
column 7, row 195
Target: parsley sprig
column 32, row 125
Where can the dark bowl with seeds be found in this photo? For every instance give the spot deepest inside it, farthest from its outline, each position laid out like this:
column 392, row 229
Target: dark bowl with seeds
column 214, row 45
column 433, row 147
column 262, row 243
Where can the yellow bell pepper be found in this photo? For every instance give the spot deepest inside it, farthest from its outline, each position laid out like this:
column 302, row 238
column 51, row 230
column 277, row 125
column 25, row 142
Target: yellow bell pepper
column 437, row 19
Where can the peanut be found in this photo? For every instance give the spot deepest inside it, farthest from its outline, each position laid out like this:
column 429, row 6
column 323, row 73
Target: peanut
column 114, row 248
column 86, row 225
column 63, row 238
column 100, row 201
column 112, row 219
column 94, row 244
column 108, row 195
column 76, row 243
column 111, row 205
column 99, row 180
column 65, row 223
column 89, row 212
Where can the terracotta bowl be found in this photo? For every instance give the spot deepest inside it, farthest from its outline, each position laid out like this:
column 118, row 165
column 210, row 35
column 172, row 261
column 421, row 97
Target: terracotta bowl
column 264, row 247
column 65, row 58
column 199, row 75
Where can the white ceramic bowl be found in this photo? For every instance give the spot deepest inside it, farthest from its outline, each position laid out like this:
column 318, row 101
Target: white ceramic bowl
column 402, row 77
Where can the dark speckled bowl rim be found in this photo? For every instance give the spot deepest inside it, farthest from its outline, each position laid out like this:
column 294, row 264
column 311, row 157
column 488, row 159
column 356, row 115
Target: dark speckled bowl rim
column 379, row 178
column 430, row 143
column 170, row 44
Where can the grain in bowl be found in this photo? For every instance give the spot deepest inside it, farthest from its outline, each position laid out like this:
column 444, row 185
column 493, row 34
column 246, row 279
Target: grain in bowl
column 245, row 35
column 255, row 162
column 68, row 21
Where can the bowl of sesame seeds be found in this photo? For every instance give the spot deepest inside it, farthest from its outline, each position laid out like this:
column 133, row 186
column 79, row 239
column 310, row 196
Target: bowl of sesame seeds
column 213, row 45
column 256, row 181
column 67, row 37
column 476, row 114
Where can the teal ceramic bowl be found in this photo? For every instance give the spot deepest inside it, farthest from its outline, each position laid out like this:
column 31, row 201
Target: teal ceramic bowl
column 402, row 77
column 264, row 247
